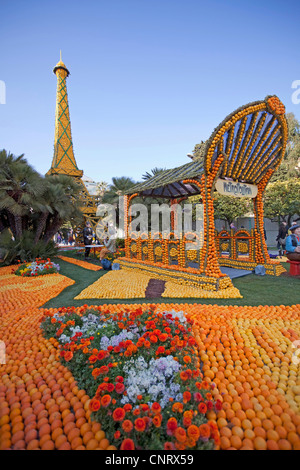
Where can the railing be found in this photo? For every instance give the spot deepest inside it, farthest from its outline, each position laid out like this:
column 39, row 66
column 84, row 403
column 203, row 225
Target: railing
column 168, row 250
column 186, row 251
column 238, row 245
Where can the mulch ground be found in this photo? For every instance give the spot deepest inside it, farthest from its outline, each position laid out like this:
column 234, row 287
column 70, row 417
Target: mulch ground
column 155, row 288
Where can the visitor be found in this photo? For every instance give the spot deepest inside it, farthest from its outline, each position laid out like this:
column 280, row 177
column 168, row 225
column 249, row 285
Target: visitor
column 109, row 243
column 87, row 239
column 293, row 243
column 281, row 237
column 71, row 237
column 232, row 226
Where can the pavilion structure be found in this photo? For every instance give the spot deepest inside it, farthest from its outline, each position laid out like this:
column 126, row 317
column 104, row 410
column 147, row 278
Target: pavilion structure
column 239, row 158
column 64, row 162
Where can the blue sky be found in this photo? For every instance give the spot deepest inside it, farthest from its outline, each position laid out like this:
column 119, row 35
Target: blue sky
column 149, row 78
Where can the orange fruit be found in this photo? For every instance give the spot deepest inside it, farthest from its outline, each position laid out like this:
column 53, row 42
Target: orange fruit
column 284, row 444
column 60, row 440
column 76, row 442
column 259, row 443
column 104, row 443
column 225, row 442
column 33, row 444
column 236, row 442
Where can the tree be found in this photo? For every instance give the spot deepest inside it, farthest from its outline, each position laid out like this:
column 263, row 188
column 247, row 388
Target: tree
column 118, row 188
column 34, row 207
column 199, row 151
column 282, row 200
column 155, row 171
column 228, row 208
column 21, row 188
column 60, row 204
column 290, row 165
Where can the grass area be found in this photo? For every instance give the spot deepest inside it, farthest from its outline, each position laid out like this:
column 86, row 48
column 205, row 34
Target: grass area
column 256, row 290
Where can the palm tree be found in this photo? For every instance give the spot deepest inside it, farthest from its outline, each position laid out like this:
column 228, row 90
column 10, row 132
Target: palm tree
column 61, row 204
column 21, row 187
column 155, row 171
column 118, row 188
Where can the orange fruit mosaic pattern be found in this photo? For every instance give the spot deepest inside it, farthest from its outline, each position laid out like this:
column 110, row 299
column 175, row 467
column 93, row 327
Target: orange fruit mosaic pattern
column 250, row 354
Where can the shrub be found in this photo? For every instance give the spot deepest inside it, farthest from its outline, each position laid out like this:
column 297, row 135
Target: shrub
column 24, row 249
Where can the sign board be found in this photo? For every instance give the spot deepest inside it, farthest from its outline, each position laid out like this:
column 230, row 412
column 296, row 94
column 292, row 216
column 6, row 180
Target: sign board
column 232, row 188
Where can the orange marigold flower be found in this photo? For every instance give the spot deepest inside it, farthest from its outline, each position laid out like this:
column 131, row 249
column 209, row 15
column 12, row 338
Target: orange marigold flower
column 204, row 431
column 156, row 420
column 163, row 337
column 118, row 414
column 103, row 369
column 169, row 446
column 127, row 444
column 177, row 407
column 187, row 421
column 186, row 396
column 93, row 359
column 202, row 408
column 153, row 339
column 105, row 400
column 180, row 434
column 68, row 356
column 184, row 376
column 156, row 408
column 193, row 432
column 127, row 407
column 139, row 424
column 187, row 359
column 127, row 425
column 180, row 446
column 94, row 405
column 120, row 387
column 172, row 424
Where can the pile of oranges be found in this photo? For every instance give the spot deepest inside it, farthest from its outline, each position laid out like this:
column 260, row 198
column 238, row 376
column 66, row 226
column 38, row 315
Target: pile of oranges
column 251, row 355
column 248, row 354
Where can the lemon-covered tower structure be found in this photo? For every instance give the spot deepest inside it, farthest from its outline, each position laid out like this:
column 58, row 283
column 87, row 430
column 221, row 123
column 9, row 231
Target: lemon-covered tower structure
column 64, row 162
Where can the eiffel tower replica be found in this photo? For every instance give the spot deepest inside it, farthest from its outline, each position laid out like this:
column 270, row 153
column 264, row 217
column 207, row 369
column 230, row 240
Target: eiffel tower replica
column 63, row 162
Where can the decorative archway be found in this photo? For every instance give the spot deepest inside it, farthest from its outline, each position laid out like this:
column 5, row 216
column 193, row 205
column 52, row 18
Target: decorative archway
column 242, row 153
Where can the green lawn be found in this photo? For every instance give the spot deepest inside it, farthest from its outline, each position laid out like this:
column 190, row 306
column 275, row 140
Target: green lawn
column 256, row 290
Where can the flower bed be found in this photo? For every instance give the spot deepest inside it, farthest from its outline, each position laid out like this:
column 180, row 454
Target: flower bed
column 143, row 372
column 39, row 267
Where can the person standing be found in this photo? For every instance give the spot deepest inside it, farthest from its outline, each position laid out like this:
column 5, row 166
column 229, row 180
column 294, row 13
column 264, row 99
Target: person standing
column 87, row 239
column 293, row 243
column 281, row 237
